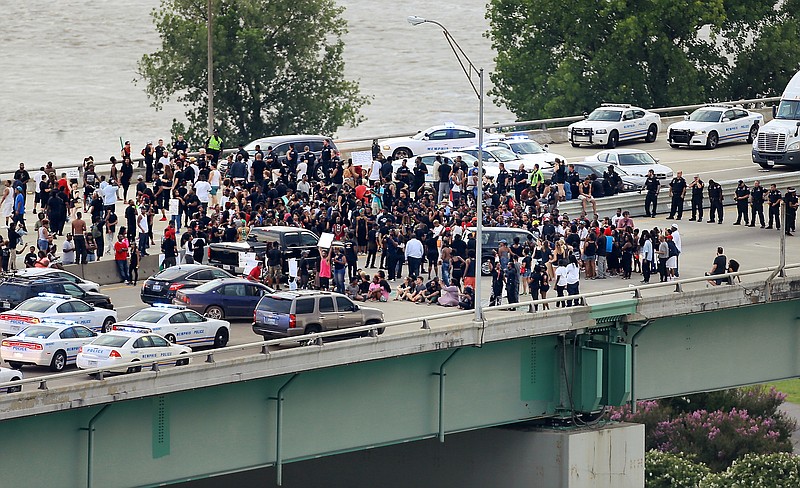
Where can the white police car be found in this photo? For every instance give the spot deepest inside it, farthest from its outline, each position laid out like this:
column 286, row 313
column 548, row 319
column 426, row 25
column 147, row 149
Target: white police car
column 448, row 137
column 7, row 375
column 715, row 124
column 635, row 162
column 53, row 343
column 527, row 149
column 178, row 325
column 612, row 123
column 55, row 306
column 120, row 347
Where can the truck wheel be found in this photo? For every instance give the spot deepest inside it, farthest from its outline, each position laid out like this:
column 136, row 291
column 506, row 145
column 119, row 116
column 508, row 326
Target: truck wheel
column 753, row 134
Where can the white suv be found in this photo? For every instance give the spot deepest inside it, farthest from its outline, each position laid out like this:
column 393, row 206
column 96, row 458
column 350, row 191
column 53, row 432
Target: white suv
column 438, row 138
column 612, row 123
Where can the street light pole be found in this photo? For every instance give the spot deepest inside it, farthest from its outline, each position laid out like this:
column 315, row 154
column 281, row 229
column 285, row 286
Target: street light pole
column 210, row 69
column 469, row 69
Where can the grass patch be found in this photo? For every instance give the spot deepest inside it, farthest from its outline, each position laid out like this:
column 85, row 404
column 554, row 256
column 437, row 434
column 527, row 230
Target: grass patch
column 790, row 387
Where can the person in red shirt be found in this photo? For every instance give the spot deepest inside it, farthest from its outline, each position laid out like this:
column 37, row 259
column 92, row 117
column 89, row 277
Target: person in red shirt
column 257, row 272
column 121, row 258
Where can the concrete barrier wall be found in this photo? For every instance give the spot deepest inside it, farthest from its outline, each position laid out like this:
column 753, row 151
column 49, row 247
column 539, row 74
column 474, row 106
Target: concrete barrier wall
column 105, row 272
column 634, row 201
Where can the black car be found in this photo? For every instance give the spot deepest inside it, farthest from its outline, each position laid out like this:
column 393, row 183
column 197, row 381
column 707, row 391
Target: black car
column 292, row 241
column 161, row 287
column 16, row 290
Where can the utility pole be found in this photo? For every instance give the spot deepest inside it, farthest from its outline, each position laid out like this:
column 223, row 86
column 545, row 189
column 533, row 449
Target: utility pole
column 210, row 70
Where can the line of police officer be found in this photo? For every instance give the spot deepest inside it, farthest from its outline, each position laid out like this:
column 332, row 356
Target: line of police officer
column 752, row 198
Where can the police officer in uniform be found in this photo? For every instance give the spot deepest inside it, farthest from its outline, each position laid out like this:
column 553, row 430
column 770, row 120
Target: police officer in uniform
column 757, row 194
column 790, row 199
column 741, row 195
column 774, row 198
column 715, row 197
column 677, row 190
column 652, row 185
column 214, row 146
column 697, row 187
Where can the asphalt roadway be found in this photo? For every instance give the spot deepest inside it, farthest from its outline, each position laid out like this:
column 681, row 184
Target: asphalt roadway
column 752, row 247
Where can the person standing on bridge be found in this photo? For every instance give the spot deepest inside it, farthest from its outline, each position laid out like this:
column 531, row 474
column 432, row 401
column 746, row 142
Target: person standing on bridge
column 214, row 146
column 757, row 203
column 697, row 187
column 677, row 193
column 121, row 258
column 652, row 185
column 774, row 198
column 790, row 199
column 742, row 196
column 715, row 197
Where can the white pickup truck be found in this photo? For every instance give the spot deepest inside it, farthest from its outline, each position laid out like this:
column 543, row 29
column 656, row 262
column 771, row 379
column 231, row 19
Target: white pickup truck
column 778, row 141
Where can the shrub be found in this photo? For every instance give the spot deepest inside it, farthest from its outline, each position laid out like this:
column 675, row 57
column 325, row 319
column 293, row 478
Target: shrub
column 666, row 470
column 778, row 470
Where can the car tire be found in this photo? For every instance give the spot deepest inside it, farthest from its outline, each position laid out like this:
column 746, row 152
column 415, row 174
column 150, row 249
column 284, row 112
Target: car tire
column 402, row 152
column 171, row 338
column 674, row 146
column 712, row 140
column 751, row 136
column 312, row 329
column 59, row 361
column 182, row 362
column 14, row 389
column 613, row 140
column 215, row 312
column 135, row 369
column 221, row 338
column 486, row 267
column 15, row 365
column 574, row 144
column 652, row 133
column 107, row 323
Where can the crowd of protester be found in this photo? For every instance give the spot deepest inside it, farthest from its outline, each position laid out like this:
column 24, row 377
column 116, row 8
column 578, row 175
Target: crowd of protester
column 416, row 238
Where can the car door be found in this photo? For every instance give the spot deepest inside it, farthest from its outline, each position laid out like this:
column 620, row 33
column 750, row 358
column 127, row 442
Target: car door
column 463, row 138
column 729, row 126
column 84, row 336
column 641, row 122
column 69, row 343
column 198, row 278
column 438, row 140
column 74, row 290
column 161, row 348
column 254, row 294
column 349, row 315
column 177, row 327
column 87, row 315
column 327, row 313
column 234, row 300
column 629, row 125
column 141, row 349
column 200, row 327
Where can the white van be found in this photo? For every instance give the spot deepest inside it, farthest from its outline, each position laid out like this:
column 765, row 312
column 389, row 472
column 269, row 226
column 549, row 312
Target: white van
column 778, row 141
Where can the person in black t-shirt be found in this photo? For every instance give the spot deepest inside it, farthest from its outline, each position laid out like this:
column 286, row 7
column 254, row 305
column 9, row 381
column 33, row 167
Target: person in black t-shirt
column 719, row 266
column 757, row 194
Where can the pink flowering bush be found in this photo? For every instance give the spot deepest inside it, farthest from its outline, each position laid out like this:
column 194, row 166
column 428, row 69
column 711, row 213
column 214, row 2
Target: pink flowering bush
column 715, row 428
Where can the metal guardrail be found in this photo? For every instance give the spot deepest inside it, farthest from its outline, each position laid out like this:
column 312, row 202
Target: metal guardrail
column 543, row 123
column 318, row 338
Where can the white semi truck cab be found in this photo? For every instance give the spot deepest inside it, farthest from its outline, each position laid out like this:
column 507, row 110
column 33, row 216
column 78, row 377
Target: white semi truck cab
column 778, row 141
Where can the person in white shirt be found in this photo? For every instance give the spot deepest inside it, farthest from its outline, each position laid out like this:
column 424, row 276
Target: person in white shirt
column 303, row 186
column 203, row 191
column 144, row 228
column 561, row 281
column 414, row 252
column 68, row 251
column 215, row 180
column 109, row 192
column 676, row 238
column 375, row 173
column 302, row 169
column 573, row 274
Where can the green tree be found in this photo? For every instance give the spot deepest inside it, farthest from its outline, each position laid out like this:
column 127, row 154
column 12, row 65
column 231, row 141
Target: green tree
column 278, row 67
column 559, row 58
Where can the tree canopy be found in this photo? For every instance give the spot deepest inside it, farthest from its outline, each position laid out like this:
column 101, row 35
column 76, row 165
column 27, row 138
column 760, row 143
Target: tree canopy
column 561, row 58
column 278, row 67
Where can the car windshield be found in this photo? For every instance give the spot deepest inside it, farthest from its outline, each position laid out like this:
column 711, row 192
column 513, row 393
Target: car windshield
column 209, row 285
column 466, row 157
column 35, row 305
column 789, row 109
column 147, row 316
column 171, row 274
column 262, row 235
column 37, row 332
column 605, row 115
column 636, row 159
column 110, row 340
column 526, row 147
column 275, row 304
column 705, row 116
